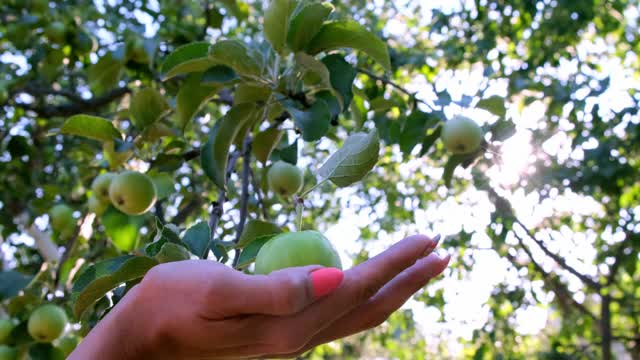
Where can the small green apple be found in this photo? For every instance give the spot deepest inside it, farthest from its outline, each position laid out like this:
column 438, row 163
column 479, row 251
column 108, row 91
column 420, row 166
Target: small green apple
column 56, row 32
column 47, row 323
column 8, row 353
column 96, row 206
column 285, row 179
column 6, row 326
column 296, row 249
column 461, row 135
column 132, row 192
column 67, row 344
column 62, row 219
column 100, row 186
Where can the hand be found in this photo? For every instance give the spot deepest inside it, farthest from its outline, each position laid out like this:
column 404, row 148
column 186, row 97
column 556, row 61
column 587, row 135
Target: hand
column 205, row 310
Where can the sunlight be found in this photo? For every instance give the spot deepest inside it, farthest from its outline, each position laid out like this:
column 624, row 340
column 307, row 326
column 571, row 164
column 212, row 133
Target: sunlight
column 513, row 160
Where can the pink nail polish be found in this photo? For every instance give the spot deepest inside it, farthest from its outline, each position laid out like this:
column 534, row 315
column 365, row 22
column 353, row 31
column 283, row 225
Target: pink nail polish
column 325, row 281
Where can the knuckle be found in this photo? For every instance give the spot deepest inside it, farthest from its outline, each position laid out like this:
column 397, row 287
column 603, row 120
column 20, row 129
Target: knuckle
column 287, row 294
column 366, row 290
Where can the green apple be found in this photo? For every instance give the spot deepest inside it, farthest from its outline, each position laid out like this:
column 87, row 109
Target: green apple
column 47, row 323
column 285, row 179
column 67, row 344
column 56, row 32
column 296, row 249
column 62, row 219
column 132, row 192
column 461, row 135
column 6, row 326
column 100, row 186
column 97, row 206
column 8, row 353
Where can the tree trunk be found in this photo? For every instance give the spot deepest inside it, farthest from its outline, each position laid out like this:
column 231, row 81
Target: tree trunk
column 605, row 327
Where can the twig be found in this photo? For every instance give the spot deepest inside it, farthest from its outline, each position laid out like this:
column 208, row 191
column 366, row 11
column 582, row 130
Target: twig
column 182, row 215
column 258, row 190
column 244, row 198
column 392, row 84
column 68, row 248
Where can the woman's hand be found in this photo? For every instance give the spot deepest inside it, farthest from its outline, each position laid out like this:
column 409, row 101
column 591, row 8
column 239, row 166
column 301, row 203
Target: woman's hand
column 205, row 310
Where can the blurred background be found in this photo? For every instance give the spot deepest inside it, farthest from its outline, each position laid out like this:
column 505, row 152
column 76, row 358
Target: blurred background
column 543, row 227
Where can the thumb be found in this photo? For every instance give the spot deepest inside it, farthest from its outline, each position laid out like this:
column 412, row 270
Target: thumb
column 286, row 291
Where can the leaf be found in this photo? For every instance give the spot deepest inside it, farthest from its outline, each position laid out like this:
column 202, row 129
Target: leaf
column 170, row 252
column 415, row 129
column 188, row 58
column 256, row 229
column 236, row 55
column 91, row 127
column 313, row 71
column 451, row 166
column 357, row 156
column 105, row 74
column 164, row 185
column 494, row 105
column 248, row 93
column 219, row 74
column 306, row 24
column 265, row 142
column 276, row 22
column 100, row 278
column 11, row 283
column 215, row 153
column 121, row 228
column 197, row 238
column 429, row 140
column 44, row 351
column 313, row 122
column 249, row 253
column 342, row 75
column 502, row 130
column 349, row 34
column 147, row 106
column 191, row 97
column 290, row 153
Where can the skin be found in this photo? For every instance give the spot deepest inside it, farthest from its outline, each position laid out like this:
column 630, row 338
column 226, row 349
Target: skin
column 272, row 315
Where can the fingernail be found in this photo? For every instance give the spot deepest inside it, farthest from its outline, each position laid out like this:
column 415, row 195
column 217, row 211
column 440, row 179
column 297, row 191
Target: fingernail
column 431, row 247
column 325, row 281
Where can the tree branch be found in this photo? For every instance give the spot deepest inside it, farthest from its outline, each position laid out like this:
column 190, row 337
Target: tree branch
column 256, row 188
column 244, row 199
column 392, row 84
column 183, row 213
column 560, row 261
column 76, row 106
column 68, row 247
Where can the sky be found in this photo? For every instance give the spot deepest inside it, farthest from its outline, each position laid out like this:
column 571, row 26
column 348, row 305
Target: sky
column 466, row 309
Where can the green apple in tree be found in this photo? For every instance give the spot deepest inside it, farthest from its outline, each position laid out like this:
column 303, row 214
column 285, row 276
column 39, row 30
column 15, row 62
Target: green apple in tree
column 461, row 135
column 62, row 219
column 285, row 179
column 56, row 32
column 6, row 326
column 132, row 192
column 67, row 344
column 97, row 206
column 296, row 249
column 100, row 186
column 8, row 353
column 47, row 323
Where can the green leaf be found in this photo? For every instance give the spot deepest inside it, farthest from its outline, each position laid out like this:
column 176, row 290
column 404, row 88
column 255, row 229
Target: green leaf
column 249, row 253
column 105, row 74
column 219, row 74
column 494, row 105
column 121, row 228
column 381, row 104
column 249, row 93
column 342, row 75
column 290, row 153
column 42, row 351
column 102, row 277
column 357, row 156
column 256, row 229
column 313, row 122
column 349, row 34
column 215, row 153
column 429, row 140
column 236, row 55
column 188, row 58
column 276, row 23
column 11, row 282
column 147, row 106
column 170, row 252
column 502, row 130
column 415, row 129
column 164, row 185
column 314, row 71
column 306, row 24
column 265, row 142
column 91, row 127
column 453, row 162
column 197, row 238
column 191, row 97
